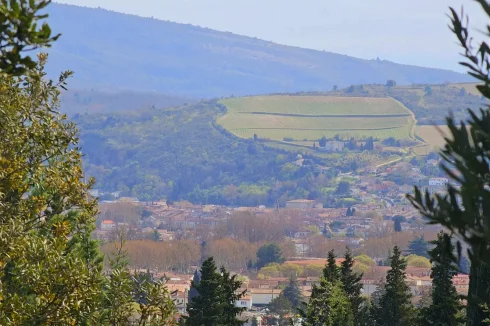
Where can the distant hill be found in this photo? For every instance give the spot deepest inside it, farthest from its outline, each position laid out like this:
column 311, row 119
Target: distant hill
column 99, row 101
column 113, row 50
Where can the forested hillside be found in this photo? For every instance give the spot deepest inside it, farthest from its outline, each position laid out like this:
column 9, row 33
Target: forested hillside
column 182, row 154
column 124, row 51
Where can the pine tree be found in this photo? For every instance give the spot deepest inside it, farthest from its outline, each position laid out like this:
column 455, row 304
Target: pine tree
column 446, row 307
column 351, row 283
column 328, row 306
column 214, row 304
column 418, row 246
column 231, row 295
column 293, row 293
column 395, row 307
column 331, row 272
column 206, row 308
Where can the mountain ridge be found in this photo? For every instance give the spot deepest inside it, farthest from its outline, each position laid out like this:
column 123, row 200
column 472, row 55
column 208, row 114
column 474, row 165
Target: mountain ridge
column 116, row 50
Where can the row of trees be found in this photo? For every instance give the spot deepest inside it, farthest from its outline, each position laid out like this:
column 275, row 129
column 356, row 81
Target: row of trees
column 237, row 254
column 338, row 299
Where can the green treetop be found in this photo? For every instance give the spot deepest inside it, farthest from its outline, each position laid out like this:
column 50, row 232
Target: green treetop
column 351, row 283
column 331, row 271
column 269, row 253
column 328, row 305
column 445, row 308
column 293, row 293
column 418, row 246
column 216, row 296
column 394, row 307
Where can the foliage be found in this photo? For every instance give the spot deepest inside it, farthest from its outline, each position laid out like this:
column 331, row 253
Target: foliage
column 206, row 164
column 19, row 33
column 293, row 293
column 118, row 292
column 269, row 253
column 343, row 188
column 280, row 305
column 331, row 272
column 176, row 255
column 46, row 214
column 328, row 306
column 214, row 303
column 352, row 285
column 394, row 307
column 122, row 290
column 446, row 307
column 230, row 285
column 418, row 246
column 418, row 261
column 464, row 210
column 365, row 259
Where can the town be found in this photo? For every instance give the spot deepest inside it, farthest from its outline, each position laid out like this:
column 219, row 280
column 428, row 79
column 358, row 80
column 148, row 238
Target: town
column 379, row 217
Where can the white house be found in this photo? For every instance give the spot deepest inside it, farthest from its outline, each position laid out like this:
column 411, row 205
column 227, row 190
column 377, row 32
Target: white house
column 334, row 146
column 107, row 225
column 244, row 302
column 438, row 181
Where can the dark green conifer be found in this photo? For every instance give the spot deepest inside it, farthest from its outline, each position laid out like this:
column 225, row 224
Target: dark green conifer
column 446, row 307
column 328, row 306
column 395, row 307
column 331, row 271
column 293, row 293
column 214, row 304
column 351, row 283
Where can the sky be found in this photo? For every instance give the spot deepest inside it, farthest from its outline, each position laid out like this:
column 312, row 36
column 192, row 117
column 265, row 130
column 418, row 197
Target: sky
column 410, row 32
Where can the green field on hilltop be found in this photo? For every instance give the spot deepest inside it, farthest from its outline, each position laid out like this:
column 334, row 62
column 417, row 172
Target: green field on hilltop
column 315, row 105
column 311, row 117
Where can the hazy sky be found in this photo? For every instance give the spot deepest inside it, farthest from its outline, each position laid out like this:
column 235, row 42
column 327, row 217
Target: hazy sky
column 411, row 32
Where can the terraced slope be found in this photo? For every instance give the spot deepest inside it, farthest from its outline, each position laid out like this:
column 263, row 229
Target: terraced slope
column 311, row 117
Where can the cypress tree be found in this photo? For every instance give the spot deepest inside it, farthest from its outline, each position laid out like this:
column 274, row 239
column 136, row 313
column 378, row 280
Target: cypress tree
column 331, row 271
column 214, row 304
column 293, row 293
column 446, row 307
column 351, row 283
column 395, row 307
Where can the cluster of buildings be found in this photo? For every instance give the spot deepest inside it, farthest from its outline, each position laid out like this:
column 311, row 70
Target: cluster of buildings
column 259, row 293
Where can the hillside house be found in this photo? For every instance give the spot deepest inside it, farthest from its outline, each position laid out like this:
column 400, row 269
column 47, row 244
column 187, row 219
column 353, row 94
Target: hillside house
column 107, row 225
column 334, row 146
